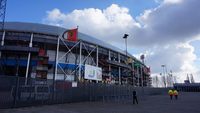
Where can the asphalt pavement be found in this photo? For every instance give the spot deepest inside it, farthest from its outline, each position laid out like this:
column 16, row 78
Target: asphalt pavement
column 186, row 103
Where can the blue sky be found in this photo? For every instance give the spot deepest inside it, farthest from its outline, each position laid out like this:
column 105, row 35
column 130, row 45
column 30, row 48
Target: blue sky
column 35, row 10
column 167, row 32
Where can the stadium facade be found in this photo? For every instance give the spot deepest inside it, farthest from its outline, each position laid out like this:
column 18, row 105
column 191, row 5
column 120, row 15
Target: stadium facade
column 38, row 51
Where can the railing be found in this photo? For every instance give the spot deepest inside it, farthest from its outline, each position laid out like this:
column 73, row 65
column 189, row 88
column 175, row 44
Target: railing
column 15, row 93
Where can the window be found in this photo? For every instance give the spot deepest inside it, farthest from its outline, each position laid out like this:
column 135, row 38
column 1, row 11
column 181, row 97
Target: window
column 113, row 56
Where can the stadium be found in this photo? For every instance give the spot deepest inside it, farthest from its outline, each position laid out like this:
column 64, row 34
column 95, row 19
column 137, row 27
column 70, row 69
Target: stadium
column 40, row 51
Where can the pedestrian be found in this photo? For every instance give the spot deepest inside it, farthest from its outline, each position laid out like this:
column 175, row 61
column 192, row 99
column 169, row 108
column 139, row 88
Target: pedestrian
column 135, row 97
column 175, row 93
column 170, row 93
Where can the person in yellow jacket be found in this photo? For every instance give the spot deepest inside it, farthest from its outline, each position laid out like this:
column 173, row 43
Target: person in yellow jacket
column 175, row 93
column 170, row 93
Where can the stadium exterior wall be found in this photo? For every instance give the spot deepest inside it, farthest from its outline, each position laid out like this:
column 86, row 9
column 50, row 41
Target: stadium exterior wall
column 21, row 44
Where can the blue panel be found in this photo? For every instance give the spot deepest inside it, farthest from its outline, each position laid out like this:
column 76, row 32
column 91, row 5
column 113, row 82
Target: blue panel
column 69, row 66
column 33, row 63
column 13, row 62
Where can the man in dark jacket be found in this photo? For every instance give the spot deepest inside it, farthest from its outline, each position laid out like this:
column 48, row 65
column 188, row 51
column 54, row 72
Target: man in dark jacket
column 135, row 97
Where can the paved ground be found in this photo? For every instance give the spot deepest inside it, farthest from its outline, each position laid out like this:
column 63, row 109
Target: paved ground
column 187, row 103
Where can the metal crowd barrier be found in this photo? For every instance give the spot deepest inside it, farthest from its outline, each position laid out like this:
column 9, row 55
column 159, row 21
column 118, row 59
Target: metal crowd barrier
column 19, row 92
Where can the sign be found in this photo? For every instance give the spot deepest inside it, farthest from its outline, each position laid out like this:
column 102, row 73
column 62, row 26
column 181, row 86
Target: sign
column 93, row 73
column 74, row 84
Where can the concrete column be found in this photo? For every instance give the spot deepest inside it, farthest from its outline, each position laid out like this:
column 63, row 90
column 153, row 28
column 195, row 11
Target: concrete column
column 57, row 52
column 109, row 55
column 109, row 68
column 80, row 62
column 97, row 57
column 120, row 75
column 119, row 69
column 2, row 40
column 138, row 76
column 3, row 37
column 141, row 71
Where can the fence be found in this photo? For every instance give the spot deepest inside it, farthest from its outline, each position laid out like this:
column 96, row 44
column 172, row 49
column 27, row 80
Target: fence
column 19, row 92
column 187, row 87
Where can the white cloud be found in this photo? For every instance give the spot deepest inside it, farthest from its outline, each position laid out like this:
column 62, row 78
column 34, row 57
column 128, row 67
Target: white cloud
column 163, row 32
column 179, row 58
column 169, row 23
column 172, row 1
column 110, row 22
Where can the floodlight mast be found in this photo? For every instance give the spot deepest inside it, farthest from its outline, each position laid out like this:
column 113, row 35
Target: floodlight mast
column 2, row 13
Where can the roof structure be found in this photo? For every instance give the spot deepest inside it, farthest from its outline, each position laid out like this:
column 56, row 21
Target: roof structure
column 55, row 30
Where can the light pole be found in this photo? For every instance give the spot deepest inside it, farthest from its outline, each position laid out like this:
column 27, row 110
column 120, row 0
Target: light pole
column 164, row 79
column 125, row 37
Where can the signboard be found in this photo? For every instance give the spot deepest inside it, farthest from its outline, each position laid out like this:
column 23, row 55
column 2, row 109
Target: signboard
column 93, row 73
column 74, row 84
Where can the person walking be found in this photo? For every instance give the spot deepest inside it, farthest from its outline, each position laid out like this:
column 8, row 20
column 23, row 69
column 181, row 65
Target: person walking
column 170, row 93
column 175, row 93
column 135, row 97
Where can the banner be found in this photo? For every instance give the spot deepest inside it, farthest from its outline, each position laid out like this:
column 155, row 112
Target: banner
column 93, row 73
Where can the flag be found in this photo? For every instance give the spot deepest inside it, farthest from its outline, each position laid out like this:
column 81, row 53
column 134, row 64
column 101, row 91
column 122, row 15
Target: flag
column 71, row 35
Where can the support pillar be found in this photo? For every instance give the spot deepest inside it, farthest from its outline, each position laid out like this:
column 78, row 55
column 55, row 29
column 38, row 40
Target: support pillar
column 109, row 66
column 97, row 57
column 138, row 76
column 28, row 60
column 3, row 37
column 57, row 52
column 80, row 61
column 120, row 80
column 141, row 71
column 2, row 41
column 120, row 76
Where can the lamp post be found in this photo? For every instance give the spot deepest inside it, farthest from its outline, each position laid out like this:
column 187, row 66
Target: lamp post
column 125, row 37
column 164, row 79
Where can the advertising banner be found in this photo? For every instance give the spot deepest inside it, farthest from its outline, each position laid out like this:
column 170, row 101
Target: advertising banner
column 93, row 73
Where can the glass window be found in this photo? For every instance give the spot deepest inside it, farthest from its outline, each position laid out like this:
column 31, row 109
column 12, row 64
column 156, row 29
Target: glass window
column 45, row 36
column 18, row 35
